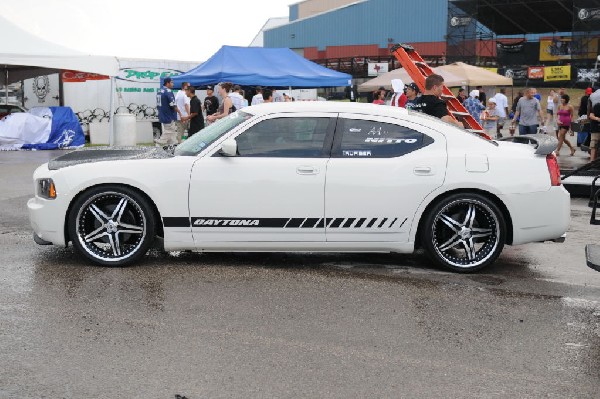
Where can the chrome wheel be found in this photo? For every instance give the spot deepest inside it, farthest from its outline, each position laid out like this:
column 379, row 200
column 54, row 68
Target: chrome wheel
column 465, row 233
column 111, row 227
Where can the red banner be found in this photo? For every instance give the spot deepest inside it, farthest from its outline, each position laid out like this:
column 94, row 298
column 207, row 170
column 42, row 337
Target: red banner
column 535, row 72
column 76, row 76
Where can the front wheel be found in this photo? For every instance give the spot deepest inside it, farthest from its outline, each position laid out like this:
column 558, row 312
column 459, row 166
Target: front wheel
column 111, row 225
column 464, row 232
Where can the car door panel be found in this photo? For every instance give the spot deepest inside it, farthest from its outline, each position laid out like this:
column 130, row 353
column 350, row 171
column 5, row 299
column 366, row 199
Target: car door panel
column 372, row 195
column 272, row 192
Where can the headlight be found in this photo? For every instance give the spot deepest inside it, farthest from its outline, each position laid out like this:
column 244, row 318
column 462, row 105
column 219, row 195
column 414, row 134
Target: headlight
column 46, row 189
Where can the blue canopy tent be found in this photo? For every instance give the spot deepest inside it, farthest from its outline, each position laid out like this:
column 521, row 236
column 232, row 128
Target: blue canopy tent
column 251, row 66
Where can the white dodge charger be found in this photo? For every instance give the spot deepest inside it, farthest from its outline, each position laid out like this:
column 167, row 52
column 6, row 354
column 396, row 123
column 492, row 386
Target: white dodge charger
column 310, row 176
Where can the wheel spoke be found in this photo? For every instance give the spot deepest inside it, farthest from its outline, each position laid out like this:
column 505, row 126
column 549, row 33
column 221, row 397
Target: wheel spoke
column 130, row 228
column 451, row 243
column 95, row 234
column 448, row 221
column 470, row 217
column 118, row 212
column 97, row 212
column 470, row 248
column 480, row 232
column 116, row 250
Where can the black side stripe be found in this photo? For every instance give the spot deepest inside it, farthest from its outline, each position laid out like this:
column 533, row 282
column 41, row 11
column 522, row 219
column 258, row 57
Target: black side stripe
column 372, row 222
column 291, row 223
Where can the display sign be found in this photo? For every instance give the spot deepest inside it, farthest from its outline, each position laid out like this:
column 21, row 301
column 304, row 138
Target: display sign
column 516, row 73
column 588, row 75
column 377, row 68
column 77, row 76
column 556, row 73
column 588, row 14
column 536, row 72
column 511, row 47
column 555, row 49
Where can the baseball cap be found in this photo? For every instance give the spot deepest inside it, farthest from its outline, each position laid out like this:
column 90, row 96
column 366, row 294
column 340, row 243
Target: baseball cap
column 588, row 91
column 167, row 80
column 209, row 87
column 492, row 100
column 413, row 86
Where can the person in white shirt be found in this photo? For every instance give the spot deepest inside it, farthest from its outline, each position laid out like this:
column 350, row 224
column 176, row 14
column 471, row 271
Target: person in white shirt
column 236, row 97
column 258, row 97
column 183, row 105
column 502, row 110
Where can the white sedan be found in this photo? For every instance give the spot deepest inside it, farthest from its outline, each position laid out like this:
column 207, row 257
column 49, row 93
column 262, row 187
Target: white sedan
column 310, row 176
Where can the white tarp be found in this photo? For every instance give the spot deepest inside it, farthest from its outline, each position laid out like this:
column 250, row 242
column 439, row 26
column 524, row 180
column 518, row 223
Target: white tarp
column 23, row 128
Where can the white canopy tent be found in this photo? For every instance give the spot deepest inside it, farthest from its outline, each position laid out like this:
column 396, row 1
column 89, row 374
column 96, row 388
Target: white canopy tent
column 24, row 55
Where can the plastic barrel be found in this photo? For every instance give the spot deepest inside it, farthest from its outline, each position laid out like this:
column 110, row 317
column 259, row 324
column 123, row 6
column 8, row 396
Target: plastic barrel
column 125, row 130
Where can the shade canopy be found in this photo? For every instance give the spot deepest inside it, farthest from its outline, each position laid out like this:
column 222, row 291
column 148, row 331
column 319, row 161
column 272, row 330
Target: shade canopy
column 24, row 55
column 252, row 66
column 475, row 76
column 385, row 80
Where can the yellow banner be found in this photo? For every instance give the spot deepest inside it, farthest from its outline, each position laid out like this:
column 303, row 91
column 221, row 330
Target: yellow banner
column 495, row 70
column 555, row 49
column 556, row 73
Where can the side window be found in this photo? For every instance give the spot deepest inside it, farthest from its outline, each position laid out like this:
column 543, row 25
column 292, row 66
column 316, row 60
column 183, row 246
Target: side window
column 364, row 139
column 294, row 137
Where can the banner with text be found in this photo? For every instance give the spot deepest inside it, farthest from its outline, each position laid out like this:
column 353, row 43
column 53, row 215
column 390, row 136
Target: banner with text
column 557, row 73
column 536, row 72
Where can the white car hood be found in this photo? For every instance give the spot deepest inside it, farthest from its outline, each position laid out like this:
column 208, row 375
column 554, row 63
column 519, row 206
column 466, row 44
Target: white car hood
column 99, row 154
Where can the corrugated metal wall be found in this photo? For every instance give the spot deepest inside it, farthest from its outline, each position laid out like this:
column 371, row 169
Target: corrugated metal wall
column 378, row 22
column 309, row 8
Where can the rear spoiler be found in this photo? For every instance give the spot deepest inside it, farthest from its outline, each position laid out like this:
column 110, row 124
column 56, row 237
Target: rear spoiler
column 544, row 144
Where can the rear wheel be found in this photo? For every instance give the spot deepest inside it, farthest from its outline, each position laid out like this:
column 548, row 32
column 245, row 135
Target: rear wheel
column 464, row 232
column 111, row 225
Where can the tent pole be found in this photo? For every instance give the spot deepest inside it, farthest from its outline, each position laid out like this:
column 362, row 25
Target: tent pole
column 111, row 120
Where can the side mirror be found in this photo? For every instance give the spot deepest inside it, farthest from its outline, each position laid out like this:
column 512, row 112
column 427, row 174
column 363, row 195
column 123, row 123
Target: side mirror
column 229, row 148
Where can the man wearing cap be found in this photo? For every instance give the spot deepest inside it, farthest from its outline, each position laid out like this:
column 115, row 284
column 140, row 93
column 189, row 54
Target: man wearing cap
column 258, row 97
column 412, row 91
column 167, row 113
column 211, row 102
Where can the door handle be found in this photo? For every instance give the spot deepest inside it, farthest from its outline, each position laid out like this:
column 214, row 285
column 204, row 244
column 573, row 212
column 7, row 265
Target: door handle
column 307, row 170
column 423, row 171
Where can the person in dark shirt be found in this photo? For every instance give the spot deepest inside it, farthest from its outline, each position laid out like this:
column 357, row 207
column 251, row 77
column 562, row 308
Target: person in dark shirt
column 211, row 103
column 482, row 96
column 595, row 128
column 431, row 104
column 196, row 117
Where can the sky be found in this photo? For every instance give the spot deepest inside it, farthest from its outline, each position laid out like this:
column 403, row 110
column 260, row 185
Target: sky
column 187, row 30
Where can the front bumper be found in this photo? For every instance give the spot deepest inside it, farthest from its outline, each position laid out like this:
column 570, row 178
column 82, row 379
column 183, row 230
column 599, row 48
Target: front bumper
column 47, row 218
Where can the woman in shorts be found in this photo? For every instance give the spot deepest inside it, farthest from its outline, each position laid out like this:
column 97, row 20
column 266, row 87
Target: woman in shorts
column 564, row 117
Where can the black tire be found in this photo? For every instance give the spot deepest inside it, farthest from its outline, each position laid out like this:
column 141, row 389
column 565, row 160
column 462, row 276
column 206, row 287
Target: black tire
column 111, row 225
column 464, row 232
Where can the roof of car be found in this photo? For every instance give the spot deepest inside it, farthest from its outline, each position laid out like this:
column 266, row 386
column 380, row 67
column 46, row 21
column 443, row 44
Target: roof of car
column 325, row 106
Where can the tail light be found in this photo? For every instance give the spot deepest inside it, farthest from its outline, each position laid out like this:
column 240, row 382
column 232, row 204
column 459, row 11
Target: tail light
column 553, row 169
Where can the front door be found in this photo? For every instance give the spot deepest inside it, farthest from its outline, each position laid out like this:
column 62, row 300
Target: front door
column 273, row 191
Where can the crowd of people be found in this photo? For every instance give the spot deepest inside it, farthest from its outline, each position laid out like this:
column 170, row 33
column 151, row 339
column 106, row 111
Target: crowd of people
column 183, row 114
column 526, row 114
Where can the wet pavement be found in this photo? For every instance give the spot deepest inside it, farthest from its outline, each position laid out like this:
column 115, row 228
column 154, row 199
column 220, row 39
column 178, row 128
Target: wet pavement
column 292, row 325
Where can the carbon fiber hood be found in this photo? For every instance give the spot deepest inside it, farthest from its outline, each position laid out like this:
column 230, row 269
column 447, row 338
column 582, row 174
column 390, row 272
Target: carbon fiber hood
column 100, row 154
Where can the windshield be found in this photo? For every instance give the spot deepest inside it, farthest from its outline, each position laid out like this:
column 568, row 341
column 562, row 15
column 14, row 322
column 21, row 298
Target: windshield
column 206, row 136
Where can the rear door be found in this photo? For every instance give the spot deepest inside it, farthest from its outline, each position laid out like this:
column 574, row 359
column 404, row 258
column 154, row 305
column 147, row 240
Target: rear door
column 379, row 173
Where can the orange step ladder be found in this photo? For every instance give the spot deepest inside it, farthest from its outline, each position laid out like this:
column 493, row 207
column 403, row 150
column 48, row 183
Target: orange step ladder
column 418, row 70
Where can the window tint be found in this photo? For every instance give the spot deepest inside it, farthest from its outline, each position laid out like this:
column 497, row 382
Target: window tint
column 294, row 137
column 363, row 139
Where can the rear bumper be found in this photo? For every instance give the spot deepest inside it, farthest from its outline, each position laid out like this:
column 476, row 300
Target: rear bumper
column 539, row 216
